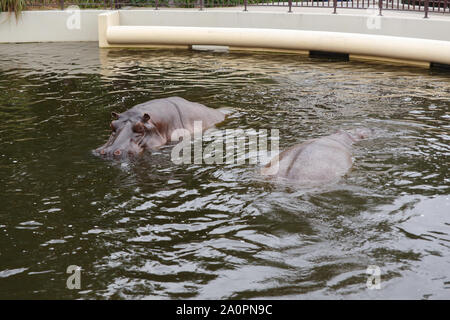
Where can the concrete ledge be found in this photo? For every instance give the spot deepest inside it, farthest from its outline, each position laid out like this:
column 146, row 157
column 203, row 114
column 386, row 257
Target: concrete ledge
column 49, row 26
column 403, row 24
column 400, row 37
column 417, row 50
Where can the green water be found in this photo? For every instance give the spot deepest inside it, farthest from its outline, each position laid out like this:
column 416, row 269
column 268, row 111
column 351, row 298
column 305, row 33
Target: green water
column 148, row 228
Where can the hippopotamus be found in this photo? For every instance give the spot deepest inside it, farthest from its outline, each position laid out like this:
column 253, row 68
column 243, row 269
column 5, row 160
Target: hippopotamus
column 150, row 125
column 317, row 161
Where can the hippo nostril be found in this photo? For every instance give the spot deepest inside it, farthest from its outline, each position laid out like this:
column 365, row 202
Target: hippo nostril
column 102, row 151
column 117, row 152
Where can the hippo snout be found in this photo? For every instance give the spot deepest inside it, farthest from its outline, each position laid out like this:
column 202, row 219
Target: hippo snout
column 361, row 133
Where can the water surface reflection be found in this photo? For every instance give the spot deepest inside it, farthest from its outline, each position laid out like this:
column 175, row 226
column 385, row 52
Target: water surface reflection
column 151, row 229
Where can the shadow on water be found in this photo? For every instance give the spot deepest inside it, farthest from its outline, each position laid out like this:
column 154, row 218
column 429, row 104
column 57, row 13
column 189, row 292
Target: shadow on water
column 147, row 228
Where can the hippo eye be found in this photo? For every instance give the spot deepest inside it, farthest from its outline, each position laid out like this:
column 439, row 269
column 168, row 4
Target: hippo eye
column 138, row 128
column 112, row 127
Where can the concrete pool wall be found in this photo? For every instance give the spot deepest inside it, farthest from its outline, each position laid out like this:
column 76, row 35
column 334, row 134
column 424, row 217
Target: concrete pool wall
column 401, row 37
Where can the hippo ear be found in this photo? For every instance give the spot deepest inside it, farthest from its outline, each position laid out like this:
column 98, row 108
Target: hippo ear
column 145, row 117
column 115, row 115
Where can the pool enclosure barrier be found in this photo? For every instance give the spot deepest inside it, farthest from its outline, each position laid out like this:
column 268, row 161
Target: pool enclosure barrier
column 425, row 51
column 425, row 6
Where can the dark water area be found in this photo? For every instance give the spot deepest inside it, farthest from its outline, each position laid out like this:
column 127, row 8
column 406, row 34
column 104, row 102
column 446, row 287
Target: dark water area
column 148, row 228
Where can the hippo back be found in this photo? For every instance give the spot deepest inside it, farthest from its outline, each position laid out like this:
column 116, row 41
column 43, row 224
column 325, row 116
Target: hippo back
column 175, row 113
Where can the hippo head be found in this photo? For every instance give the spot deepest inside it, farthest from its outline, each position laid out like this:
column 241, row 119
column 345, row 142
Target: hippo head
column 130, row 136
column 358, row 134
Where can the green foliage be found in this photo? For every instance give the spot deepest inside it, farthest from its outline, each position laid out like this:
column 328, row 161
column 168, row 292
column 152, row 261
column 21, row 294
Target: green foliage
column 190, row 3
column 89, row 4
column 16, row 6
column 421, row 3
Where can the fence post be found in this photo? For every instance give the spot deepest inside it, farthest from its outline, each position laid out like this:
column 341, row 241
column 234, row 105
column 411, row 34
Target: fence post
column 290, row 6
column 201, row 5
column 156, row 4
column 334, row 6
column 427, row 5
column 245, row 5
column 61, row 4
column 380, row 5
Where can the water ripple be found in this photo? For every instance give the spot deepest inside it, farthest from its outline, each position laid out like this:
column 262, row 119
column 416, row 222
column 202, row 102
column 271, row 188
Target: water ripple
column 150, row 229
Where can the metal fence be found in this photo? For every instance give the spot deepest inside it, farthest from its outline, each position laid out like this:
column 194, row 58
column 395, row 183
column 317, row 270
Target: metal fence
column 425, row 6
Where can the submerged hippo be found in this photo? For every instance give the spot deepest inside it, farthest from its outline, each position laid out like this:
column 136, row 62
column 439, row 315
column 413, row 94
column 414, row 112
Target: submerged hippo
column 150, row 125
column 316, row 161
